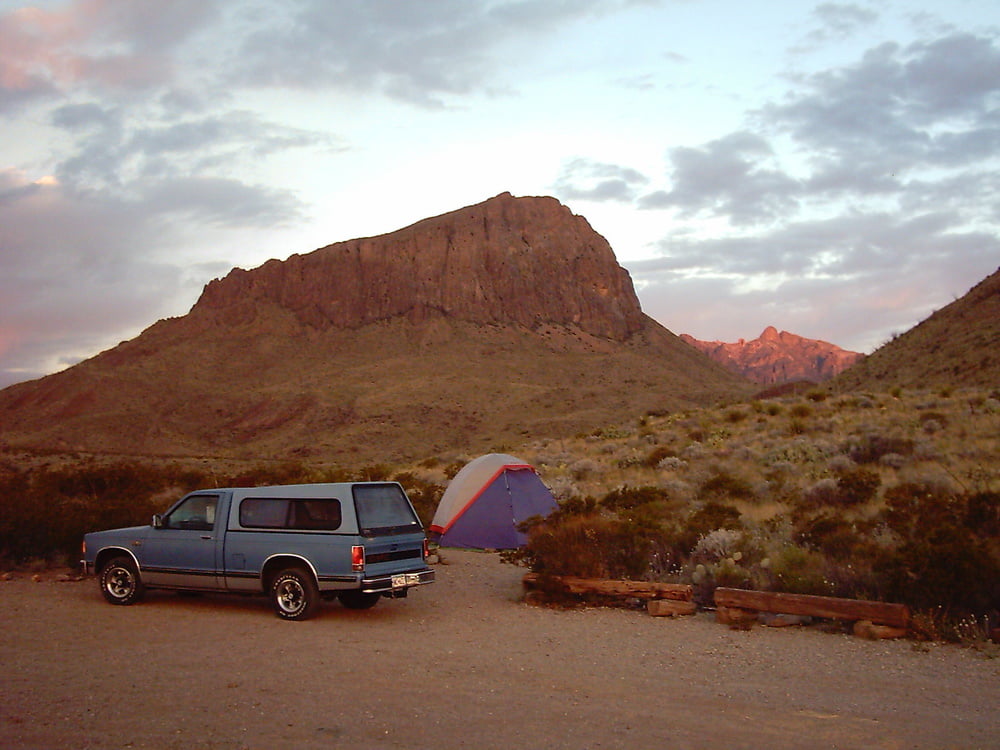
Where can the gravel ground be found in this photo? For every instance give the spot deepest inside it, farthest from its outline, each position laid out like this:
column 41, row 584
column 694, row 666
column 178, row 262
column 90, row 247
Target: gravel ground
column 463, row 664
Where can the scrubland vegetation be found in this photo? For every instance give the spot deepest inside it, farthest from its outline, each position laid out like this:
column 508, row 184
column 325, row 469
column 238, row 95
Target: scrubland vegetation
column 891, row 496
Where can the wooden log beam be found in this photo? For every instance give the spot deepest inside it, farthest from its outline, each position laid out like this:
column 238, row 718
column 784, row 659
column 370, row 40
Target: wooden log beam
column 881, row 613
column 670, row 608
column 638, row 589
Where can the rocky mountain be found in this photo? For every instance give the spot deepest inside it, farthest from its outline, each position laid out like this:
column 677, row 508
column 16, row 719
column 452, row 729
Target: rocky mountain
column 775, row 358
column 484, row 327
column 957, row 346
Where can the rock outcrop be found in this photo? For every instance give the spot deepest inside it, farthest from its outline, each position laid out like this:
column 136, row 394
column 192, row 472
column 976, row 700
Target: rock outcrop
column 527, row 262
column 775, row 358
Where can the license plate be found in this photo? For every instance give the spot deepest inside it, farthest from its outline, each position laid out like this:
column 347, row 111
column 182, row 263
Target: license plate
column 405, row 579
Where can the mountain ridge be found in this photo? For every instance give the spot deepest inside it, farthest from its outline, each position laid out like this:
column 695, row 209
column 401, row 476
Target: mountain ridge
column 351, row 353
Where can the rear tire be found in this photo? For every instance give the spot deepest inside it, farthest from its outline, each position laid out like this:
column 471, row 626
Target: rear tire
column 120, row 582
column 358, row 599
column 294, row 594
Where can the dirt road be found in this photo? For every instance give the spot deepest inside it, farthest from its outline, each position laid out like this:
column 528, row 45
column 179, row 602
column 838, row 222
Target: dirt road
column 463, row 664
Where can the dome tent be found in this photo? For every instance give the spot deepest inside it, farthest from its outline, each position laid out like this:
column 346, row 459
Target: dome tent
column 485, row 502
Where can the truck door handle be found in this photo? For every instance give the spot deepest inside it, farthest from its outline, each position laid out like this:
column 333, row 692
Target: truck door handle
column 206, row 536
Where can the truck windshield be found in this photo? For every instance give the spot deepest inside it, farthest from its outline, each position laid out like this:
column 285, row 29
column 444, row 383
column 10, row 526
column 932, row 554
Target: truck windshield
column 383, row 509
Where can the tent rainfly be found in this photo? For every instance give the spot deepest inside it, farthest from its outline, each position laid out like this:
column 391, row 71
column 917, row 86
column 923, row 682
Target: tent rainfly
column 486, row 501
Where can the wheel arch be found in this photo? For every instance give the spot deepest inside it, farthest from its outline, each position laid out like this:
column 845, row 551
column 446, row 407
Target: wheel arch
column 281, row 561
column 107, row 553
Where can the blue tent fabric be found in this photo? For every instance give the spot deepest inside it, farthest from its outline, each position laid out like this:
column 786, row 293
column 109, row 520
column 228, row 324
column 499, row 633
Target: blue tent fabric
column 487, row 500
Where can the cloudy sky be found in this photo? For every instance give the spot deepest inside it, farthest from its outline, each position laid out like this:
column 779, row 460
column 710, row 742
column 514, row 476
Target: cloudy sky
column 829, row 168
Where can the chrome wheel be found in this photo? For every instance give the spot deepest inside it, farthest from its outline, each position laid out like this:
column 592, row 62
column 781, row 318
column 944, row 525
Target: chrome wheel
column 294, row 594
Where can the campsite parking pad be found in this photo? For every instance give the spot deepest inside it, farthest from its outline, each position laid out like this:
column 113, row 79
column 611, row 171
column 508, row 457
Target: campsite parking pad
column 463, row 664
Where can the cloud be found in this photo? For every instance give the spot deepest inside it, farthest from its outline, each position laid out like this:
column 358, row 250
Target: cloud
column 93, row 43
column 837, row 21
column 585, row 179
column 879, row 204
column 733, row 176
column 421, row 53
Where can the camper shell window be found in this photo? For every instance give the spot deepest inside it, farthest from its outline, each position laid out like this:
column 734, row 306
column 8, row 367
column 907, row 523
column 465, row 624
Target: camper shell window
column 383, row 509
column 290, row 513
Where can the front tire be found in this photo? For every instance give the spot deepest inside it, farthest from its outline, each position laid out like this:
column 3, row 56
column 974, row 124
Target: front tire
column 294, row 594
column 120, row 582
column 358, row 599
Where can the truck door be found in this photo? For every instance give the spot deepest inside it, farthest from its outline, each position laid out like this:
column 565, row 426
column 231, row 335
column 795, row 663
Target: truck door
column 185, row 550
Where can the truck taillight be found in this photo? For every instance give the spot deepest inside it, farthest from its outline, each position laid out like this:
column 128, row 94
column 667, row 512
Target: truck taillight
column 357, row 557
column 427, row 548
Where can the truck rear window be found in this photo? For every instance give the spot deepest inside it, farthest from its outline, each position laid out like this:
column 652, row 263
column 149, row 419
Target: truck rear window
column 290, row 513
column 383, row 509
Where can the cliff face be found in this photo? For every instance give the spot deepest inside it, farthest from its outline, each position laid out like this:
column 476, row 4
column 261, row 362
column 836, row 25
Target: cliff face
column 775, row 357
column 527, row 262
column 501, row 322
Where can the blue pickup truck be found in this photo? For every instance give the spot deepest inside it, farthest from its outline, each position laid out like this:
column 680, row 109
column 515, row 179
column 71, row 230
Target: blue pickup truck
column 297, row 544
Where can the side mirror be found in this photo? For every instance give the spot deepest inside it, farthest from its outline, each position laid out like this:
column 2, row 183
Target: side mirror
column 157, row 521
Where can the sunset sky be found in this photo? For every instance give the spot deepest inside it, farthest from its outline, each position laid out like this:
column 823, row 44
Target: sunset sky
column 827, row 168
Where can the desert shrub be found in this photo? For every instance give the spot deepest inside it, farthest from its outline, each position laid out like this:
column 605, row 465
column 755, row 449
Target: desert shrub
column 983, row 514
column 939, row 418
column 588, row 545
column 938, row 562
column 716, row 545
column 735, row 415
column 799, row 570
column 287, row 472
column 944, row 568
column 798, row 427
column 800, row 411
column 857, row 487
column 869, row 448
column 671, row 463
column 832, row 535
column 893, row 461
column 626, row 498
column 658, row 454
column 817, row 395
column 46, row 512
column 912, row 509
column 821, row 493
column 583, row 468
column 452, row 469
column 724, row 484
column 711, row 516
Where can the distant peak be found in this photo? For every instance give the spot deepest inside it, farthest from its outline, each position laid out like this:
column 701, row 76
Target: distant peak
column 778, row 357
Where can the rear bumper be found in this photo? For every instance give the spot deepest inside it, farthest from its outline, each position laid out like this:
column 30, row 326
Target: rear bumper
column 397, row 581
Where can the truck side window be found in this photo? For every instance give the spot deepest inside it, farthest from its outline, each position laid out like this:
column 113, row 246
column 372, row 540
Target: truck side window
column 264, row 513
column 297, row 514
column 197, row 512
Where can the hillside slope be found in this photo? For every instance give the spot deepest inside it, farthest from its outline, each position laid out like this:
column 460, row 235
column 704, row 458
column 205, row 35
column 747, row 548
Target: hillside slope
column 959, row 345
column 493, row 324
